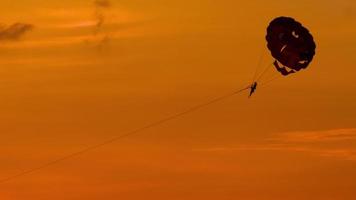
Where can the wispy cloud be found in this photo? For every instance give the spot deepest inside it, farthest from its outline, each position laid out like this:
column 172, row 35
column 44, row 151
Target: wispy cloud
column 100, row 7
column 95, row 26
column 14, row 31
column 69, row 40
column 317, row 136
column 102, row 3
column 323, row 143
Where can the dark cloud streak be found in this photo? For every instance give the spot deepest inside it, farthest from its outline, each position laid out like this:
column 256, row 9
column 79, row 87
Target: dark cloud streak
column 14, row 31
column 100, row 6
column 102, row 3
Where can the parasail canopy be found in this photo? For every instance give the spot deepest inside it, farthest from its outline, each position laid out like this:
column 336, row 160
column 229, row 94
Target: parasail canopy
column 291, row 44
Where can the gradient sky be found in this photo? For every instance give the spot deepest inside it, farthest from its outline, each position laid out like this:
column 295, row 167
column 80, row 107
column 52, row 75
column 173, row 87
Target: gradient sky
column 70, row 83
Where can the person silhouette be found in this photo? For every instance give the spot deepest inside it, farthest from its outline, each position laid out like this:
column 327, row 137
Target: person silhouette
column 253, row 88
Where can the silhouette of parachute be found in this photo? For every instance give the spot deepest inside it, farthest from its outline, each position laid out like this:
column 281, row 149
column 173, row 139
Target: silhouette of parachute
column 290, row 44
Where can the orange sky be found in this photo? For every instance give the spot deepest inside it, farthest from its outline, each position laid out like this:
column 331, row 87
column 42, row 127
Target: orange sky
column 68, row 84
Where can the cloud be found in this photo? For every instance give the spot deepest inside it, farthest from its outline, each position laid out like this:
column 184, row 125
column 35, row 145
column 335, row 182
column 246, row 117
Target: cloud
column 339, row 153
column 14, row 31
column 102, row 3
column 100, row 7
column 317, row 136
column 333, row 143
column 100, row 17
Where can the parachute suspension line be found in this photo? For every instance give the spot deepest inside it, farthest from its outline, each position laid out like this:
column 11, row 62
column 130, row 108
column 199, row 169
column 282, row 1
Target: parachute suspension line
column 270, row 80
column 127, row 134
column 258, row 65
column 268, row 76
column 265, row 71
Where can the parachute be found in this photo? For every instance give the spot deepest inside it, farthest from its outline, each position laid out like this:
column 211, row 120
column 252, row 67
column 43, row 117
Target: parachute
column 291, row 45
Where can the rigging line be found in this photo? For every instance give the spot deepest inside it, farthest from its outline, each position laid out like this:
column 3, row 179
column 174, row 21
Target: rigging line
column 266, row 69
column 135, row 131
column 258, row 65
column 270, row 80
column 269, row 76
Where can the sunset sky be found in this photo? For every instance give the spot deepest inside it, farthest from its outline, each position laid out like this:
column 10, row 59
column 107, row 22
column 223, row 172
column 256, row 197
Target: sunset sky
column 75, row 73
